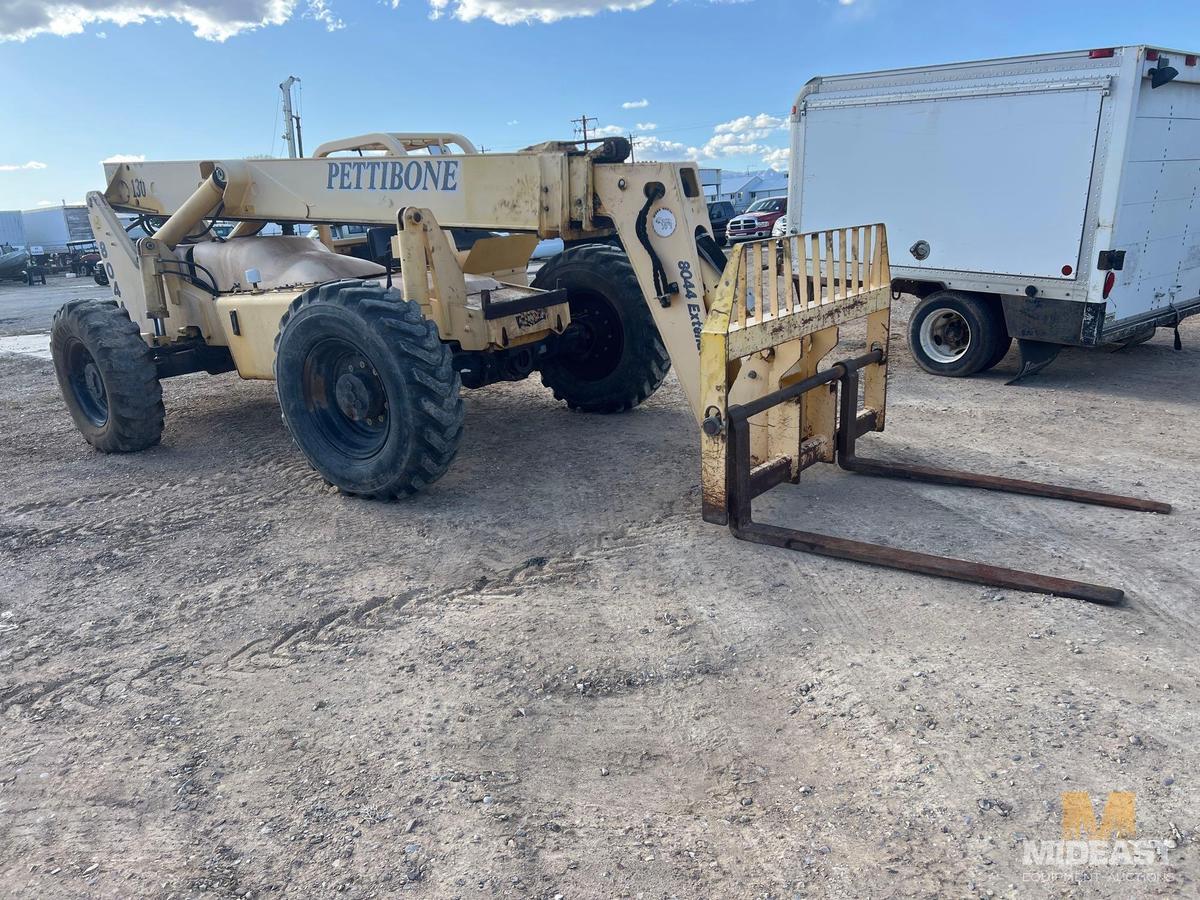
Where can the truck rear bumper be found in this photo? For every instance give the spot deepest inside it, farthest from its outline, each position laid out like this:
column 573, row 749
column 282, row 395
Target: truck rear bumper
column 1083, row 324
column 1157, row 318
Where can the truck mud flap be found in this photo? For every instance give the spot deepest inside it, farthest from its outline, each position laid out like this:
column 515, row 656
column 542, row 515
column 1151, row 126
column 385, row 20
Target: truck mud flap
column 801, row 289
column 1035, row 356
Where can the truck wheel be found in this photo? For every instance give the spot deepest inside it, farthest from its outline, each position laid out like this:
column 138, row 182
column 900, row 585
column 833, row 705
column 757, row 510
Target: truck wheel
column 957, row 334
column 107, row 376
column 367, row 389
column 612, row 357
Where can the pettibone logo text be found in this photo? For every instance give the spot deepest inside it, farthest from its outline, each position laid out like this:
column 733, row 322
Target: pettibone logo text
column 394, row 175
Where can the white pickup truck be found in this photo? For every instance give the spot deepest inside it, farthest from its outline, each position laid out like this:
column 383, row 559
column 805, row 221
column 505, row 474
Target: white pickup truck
column 1054, row 199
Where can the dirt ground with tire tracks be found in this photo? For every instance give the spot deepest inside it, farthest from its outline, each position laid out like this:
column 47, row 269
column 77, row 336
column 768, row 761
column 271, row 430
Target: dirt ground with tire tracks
column 548, row 677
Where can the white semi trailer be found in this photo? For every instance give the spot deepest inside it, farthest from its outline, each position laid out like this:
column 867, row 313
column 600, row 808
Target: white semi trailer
column 1054, row 199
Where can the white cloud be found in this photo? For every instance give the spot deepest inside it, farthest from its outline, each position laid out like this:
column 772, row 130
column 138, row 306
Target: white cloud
column 853, row 11
column 646, row 126
column 17, row 167
column 778, row 158
column 649, row 149
column 744, row 136
column 761, row 122
column 513, row 122
column 516, row 12
column 609, row 131
column 212, row 20
column 46, row 203
column 124, row 158
column 635, row 104
column 319, row 11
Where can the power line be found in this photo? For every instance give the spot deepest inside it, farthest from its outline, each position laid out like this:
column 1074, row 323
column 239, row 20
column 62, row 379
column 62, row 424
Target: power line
column 581, row 124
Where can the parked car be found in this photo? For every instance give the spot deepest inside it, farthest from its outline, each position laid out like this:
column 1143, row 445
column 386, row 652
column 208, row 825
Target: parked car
column 719, row 214
column 758, row 220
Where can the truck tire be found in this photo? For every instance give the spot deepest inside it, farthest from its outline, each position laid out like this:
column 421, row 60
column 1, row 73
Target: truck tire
column 1003, row 345
column 107, row 376
column 612, row 357
column 957, row 334
column 368, row 390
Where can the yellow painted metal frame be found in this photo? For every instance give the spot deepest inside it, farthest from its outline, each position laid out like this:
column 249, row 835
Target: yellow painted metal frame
column 775, row 315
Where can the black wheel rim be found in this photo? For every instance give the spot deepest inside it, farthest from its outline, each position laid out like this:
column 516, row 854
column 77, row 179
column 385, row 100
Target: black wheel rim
column 346, row 398
column 87, row 384
column 596, row 337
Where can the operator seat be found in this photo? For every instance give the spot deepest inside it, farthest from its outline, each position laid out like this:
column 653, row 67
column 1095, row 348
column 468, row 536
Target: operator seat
column 281, row 260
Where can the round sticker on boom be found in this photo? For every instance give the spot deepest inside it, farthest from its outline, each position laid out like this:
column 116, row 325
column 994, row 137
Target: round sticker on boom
column 664, row 223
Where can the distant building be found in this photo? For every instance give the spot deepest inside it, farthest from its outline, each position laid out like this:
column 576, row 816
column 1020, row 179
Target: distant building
column 52, row 227
column 742, row 190
column 12, row 229
column 771, row 184
column 710, row 182
column 736, row 189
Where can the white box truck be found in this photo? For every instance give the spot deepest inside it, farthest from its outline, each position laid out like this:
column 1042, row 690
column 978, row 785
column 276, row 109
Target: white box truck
column 1053, row 199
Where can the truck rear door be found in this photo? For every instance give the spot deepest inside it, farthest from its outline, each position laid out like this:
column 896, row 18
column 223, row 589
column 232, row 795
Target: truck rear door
column 994, row 178
column 1158, row 210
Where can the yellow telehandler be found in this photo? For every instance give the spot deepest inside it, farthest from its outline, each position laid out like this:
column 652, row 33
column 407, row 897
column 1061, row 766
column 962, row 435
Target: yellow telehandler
column 369, row 375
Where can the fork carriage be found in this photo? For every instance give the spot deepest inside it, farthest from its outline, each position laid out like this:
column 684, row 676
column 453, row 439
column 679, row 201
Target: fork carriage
column 779, row 306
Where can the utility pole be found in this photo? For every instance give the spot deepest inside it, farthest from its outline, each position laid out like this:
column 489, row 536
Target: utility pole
column 582, row 124
column 632, row 145
column 291, row 121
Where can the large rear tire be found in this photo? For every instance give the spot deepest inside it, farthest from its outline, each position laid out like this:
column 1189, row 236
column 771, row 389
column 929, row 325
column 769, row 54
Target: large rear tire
column 107, row 376
column 957, row 334
column 368, row 390
column 612, row 357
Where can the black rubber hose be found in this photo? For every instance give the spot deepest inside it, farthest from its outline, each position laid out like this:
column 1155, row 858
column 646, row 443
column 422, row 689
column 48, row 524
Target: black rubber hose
column 661, row 285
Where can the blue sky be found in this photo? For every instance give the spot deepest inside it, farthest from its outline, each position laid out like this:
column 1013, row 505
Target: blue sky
column 198, row 78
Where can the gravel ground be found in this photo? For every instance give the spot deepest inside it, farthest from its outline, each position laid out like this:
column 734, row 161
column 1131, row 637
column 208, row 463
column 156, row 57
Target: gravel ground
column 547, row 676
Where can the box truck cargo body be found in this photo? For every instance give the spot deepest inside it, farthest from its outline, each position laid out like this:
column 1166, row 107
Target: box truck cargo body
column 1054, row 199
